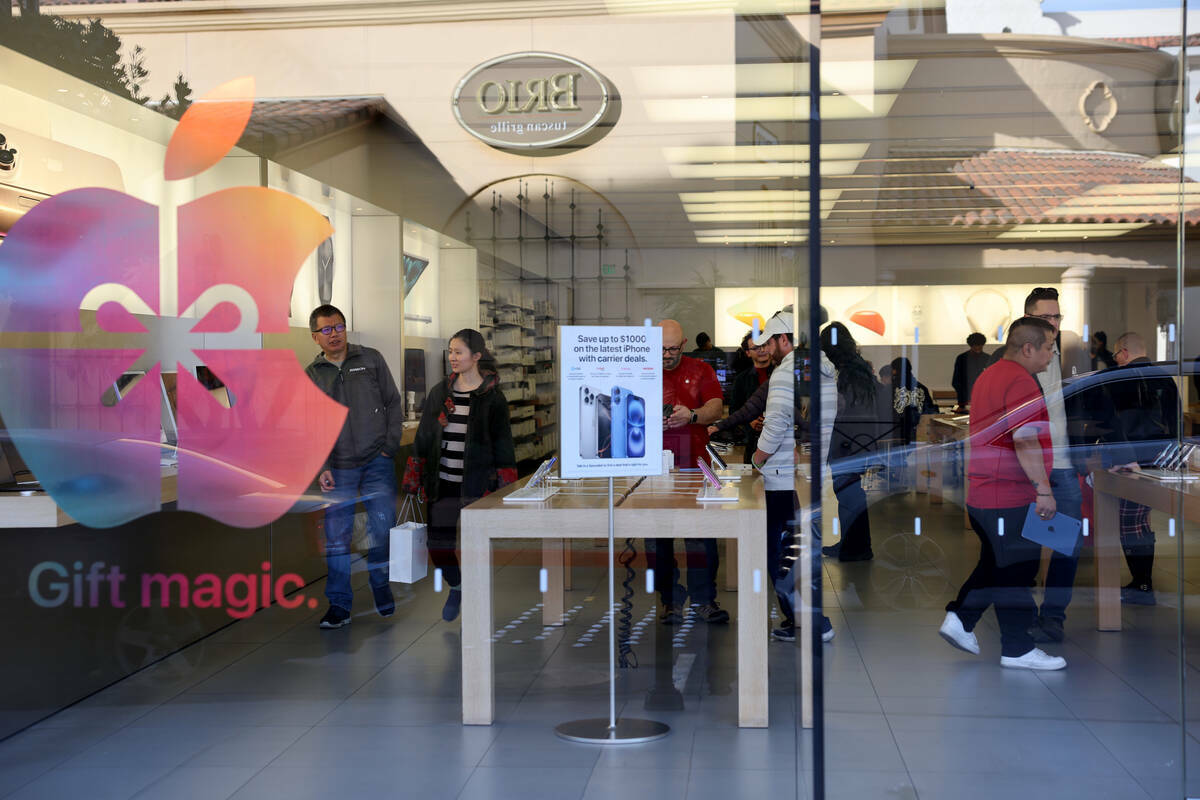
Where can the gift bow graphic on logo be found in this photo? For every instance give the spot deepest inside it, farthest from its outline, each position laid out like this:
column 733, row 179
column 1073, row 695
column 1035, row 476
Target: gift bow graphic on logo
column 239, row 250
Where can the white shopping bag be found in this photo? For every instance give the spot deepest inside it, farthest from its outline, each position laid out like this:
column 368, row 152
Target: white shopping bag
column 408, row 557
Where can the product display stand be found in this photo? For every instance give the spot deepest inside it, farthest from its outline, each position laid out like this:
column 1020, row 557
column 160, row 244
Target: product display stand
column 598, row 730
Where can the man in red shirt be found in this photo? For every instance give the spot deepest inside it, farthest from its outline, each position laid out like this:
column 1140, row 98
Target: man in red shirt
column 692, row 390
column 1009, row 468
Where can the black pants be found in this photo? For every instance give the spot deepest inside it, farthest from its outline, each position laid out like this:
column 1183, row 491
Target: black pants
column 1006, row 569
column 702, row 561
column 443, row 530
column 781, row 516
column 852, row 515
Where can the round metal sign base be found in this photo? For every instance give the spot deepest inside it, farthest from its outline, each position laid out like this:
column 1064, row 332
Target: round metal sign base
column 628, row 731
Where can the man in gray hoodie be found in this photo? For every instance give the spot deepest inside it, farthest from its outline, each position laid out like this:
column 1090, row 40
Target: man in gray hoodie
column 360, row 465
column 776, row 459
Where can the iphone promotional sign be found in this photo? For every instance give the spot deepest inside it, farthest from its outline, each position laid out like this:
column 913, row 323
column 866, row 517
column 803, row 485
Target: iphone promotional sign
column 611, row 400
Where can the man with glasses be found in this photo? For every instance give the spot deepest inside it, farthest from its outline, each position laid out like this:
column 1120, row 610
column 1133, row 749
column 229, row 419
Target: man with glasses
column 1042, row 303
column 360, row 465
column 748, row 398
column 691, row 389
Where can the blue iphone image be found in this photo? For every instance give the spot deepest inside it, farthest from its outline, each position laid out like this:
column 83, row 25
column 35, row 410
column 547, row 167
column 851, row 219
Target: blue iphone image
column 620, row 422
column 635, row 422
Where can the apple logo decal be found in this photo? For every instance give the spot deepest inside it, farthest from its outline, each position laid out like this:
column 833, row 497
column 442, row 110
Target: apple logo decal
column 238, row 253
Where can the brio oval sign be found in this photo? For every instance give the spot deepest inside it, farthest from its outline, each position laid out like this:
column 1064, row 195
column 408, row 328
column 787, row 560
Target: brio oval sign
column 530, row 102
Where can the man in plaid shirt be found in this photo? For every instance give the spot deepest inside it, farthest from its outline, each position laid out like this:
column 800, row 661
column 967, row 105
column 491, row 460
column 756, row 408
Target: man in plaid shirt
column 1140, row 409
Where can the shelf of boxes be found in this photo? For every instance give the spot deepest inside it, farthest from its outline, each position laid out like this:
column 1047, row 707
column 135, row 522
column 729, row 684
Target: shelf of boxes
column 520, row 333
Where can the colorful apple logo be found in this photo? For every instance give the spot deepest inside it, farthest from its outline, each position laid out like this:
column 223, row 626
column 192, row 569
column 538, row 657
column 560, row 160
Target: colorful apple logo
column 238, row 254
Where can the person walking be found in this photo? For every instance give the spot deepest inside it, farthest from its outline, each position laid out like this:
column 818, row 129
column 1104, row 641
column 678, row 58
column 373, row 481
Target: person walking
column 466, row 441
column 360, row 466
column 1009, row 469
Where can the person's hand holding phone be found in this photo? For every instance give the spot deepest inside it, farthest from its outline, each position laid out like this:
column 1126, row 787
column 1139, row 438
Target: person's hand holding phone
column 680, row 416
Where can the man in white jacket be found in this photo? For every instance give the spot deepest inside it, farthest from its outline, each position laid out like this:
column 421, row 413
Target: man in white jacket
column 776, row 459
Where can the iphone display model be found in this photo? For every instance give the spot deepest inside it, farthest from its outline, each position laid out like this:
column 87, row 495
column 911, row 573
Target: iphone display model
column 708, row 474
column 619, row 402
column 603, row 426
column 635, row 420
column 588, row 422
column 716, row 457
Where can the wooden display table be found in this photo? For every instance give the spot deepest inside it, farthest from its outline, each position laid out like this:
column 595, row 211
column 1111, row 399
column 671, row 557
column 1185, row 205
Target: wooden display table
column 660, row 507
column 1179, row 499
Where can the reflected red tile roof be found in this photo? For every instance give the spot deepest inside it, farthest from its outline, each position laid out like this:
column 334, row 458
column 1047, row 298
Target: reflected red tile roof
column 1004, row 187
column 1156, row 42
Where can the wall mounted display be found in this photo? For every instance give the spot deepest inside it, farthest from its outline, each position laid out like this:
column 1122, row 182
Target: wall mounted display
column 737, row 309
column 925, row 314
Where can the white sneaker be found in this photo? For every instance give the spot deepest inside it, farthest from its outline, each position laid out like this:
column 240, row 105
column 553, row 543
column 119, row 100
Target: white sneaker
column 952, row 631
column 1034, row 659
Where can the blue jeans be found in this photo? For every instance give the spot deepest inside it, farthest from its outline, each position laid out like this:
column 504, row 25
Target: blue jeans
column 1060, row 577
column 375, row 484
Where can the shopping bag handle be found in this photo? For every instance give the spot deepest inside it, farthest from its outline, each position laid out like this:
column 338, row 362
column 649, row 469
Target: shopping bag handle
column 410, row 511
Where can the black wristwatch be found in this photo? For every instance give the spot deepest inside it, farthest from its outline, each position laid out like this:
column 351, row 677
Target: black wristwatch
column 694, row 418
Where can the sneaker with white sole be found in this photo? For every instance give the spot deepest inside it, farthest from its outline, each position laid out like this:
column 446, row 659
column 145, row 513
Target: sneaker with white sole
column 1034, row 659
column 827, row 632
column 335, row 617
column 952, row 631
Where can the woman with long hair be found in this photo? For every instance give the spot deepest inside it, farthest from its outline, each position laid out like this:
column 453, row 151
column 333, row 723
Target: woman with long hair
column 465, row 439
column 863, row 415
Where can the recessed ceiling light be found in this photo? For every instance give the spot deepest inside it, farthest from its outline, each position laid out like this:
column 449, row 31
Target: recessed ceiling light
column 134, row 119
column 63, row 91
column 358, row 209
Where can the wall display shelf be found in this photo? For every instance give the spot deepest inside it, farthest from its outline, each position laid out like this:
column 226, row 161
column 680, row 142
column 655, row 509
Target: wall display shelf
column 539, row 250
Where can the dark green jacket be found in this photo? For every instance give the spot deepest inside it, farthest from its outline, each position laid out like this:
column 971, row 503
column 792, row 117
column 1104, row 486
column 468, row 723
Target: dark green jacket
column 375, row 422
column 489, row 460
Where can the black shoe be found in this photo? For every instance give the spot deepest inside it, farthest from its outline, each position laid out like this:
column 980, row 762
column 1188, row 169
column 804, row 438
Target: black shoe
column 385, row 603
column 671, row 615
column 712, row 613
column 1047, row 629
column 335, row 618
column 784, row 633
column 453, row 605
column 1139, row 595
column 835, row 551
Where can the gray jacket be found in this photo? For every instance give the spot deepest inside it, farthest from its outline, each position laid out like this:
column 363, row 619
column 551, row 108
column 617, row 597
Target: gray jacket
column 375, row 422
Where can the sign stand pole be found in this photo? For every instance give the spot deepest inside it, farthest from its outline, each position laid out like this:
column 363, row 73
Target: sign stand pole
column 612, row 731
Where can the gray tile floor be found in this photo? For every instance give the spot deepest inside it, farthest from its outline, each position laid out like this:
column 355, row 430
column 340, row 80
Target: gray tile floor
column 272, row 707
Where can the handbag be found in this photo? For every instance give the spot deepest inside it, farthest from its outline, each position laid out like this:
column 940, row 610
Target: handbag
column 408, row 558
column 413, row 482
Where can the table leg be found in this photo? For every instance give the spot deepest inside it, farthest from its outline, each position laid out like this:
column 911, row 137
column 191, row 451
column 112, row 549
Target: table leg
column 731, row 565
column 567, row 585
column 752, row 624
column 478, row 675
column 554, row 562
column 1107, row 546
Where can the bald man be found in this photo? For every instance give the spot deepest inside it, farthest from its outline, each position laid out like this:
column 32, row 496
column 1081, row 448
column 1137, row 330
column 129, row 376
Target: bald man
column 691, row 389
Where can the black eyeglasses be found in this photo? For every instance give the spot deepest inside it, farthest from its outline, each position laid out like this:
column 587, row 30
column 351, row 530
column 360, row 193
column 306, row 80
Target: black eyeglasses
column 672, row 350
column 328, row 329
